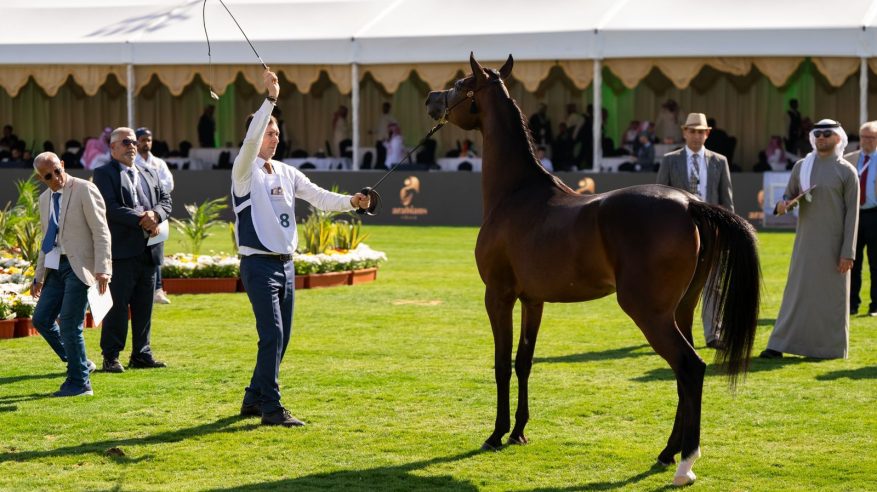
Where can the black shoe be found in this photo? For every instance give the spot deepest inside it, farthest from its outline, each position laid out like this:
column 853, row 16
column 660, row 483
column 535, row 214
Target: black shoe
column 770, row 354
column 281, row 417
column 149, row 363
column 254, row 410
column 854, row 311
column 112, row 365
column 715, row 344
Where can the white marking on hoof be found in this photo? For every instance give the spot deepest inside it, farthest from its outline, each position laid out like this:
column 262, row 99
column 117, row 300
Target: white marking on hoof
column 684, row 475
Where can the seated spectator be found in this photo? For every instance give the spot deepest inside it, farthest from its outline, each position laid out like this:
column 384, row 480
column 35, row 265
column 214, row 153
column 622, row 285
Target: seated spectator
column 630, row 137
column 8, row 140
column 645, row 156
column 72, row 154
column 545, row 161
column 562, row 151
column 97, row 151
column 775, row 154
column 48, row 146
column 466, row 150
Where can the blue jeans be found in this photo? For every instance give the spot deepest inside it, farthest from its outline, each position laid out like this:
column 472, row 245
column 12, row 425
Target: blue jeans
column 64, row 297
column 270, row 285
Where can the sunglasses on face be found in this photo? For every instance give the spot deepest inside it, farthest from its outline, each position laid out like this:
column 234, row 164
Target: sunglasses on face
column 127, row 142
column 56, row 172
column 823, row 133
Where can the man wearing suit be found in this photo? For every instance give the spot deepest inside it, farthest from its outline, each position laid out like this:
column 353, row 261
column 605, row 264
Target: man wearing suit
column 704, row 173
column 74, row 255
column 136, row 204
column 866, row 238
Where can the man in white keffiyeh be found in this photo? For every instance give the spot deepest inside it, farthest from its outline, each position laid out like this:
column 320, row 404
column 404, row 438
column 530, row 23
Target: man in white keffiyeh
column 814, row 316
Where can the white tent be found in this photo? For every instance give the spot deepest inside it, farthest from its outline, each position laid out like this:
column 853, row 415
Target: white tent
column 135, row 39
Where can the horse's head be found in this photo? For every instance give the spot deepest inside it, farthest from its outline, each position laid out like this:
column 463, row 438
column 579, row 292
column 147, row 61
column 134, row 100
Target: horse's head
column 461, row 104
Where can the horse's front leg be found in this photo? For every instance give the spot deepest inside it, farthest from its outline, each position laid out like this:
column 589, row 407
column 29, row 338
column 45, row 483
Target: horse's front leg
column 531, row 317
column 499, row 309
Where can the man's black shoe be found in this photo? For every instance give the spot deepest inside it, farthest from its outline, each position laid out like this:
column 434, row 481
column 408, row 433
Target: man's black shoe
column 715, row 344
column 770, row 354
column 145, row 363
column 254, row 410
column 112, row 365
column 281, row 417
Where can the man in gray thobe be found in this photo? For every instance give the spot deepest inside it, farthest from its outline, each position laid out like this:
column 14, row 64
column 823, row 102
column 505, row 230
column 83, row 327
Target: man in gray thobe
column 814, row 317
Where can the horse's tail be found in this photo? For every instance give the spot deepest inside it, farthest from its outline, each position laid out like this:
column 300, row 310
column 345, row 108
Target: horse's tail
column 734, row 283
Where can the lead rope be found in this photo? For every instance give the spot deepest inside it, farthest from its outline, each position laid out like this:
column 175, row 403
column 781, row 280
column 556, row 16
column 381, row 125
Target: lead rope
column 213, row 94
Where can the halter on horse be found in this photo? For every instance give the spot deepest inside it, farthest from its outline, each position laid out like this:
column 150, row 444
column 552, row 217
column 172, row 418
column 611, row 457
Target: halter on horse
column 654, row 246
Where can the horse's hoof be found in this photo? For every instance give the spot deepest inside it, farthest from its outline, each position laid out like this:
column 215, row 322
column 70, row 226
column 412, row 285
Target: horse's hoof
column 665, row 464
column 489, row 447
column 683, row 480
column 518, row 440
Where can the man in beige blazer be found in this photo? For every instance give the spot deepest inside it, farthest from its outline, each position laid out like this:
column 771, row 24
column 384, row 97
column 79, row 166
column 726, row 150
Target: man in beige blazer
column 74, row 255
column 704, row 173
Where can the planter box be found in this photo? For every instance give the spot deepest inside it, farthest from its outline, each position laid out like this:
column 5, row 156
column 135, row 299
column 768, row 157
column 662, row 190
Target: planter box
column 301, row 282
column 334, row 279
column 363, row 276
column 7, row 328
column 24, row 328
column 199, row 285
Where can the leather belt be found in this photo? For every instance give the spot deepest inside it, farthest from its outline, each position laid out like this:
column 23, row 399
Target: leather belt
column 280, row 258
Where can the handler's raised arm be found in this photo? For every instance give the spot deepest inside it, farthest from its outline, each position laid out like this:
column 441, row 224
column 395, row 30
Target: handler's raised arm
column 242, row 168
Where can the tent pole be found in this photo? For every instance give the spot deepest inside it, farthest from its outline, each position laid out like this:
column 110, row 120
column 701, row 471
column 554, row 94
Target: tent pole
column 863, row 90
column 598, row 115
column 354, row 74
column 130, row 94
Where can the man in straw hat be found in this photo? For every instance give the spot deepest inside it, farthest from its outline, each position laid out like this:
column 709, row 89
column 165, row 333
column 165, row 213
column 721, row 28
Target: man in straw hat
column 704, row 173
column 814, row 317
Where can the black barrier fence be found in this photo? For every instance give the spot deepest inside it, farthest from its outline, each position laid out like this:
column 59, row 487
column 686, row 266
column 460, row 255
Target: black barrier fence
column 411, row 198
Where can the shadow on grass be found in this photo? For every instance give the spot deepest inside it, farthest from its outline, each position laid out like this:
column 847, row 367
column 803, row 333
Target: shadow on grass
column 620, row 353
column 712, row 370
column 101, row 447
column 383, row 478
column 28, row 377
column 860, row 373
column 10, row 408
column 615, row 484
column 21, row 398
column 766, row 322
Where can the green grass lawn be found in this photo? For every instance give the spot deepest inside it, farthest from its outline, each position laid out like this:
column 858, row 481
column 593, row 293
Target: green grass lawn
column 395, row 381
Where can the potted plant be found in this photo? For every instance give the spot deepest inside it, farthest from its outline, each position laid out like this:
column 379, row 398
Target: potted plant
column 22, row 309
column 7, row 322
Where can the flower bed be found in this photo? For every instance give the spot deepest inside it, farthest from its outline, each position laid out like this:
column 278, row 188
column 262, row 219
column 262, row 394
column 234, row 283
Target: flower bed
column 16, row 274
column 189, row 274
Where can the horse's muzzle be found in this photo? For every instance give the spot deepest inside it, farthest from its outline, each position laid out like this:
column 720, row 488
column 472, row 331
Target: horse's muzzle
column 435, row 104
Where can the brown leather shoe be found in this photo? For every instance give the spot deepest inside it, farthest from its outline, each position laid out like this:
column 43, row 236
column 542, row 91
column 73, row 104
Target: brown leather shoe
column 112, row 365
column 254, row 410
column 281, row 417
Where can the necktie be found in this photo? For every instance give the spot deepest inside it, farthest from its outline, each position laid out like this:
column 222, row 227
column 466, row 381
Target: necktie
column 694, row 176
column 52, row 230
column 141, row 190
column 863, row 180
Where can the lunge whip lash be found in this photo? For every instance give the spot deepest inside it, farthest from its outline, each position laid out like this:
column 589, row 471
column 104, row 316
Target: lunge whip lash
column 209, row 58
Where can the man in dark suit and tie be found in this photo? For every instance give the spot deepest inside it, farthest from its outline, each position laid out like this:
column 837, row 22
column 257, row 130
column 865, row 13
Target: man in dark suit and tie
column 136, row 204
column 866, row 239
column 701, row 172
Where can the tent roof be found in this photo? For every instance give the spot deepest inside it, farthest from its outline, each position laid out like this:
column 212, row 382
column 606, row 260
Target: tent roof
column 409, row 31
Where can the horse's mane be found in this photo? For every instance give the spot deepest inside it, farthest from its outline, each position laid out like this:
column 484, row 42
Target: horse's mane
column 524, row 128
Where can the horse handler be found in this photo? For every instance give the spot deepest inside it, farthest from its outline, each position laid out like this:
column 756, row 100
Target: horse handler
column 263, row 194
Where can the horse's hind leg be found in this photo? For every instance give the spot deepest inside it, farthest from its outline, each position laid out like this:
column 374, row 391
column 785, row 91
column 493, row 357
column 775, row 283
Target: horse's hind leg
column 531, row 317
column 499, row 309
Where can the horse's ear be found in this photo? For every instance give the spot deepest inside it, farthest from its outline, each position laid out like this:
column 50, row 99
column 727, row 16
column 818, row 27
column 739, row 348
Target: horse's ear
column 477, row 69
column 506, row 69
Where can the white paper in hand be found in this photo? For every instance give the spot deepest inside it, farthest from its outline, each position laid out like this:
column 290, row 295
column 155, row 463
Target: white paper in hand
column 164, row 231
column 99, row 304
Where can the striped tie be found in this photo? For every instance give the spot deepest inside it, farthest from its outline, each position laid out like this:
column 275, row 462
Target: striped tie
column 694, row 176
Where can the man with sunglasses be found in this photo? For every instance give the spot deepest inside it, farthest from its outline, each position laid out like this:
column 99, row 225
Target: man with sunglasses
column 704, row 173
column 75, row 254
column 136, row 204
column 814, row 316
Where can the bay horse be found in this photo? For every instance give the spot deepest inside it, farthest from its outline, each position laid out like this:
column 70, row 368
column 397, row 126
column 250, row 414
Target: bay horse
column 656, row 247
